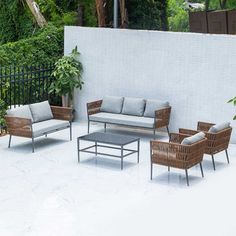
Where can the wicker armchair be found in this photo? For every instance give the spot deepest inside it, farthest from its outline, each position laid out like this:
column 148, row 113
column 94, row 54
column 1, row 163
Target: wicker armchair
column 216, row 142
column 174, row 154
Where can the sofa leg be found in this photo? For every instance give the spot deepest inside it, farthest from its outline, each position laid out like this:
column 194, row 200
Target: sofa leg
column 9, row 144
column 70, row 131
column 213, row 162
column 105, row 127
column 201, row 169
column 186, row 173
column 168, row 168
column 32, row 144
column 88, row 126
column 227, row 156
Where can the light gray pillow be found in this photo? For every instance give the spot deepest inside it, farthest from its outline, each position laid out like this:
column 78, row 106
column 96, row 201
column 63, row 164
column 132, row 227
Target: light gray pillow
column 219, row 127
column 153, row 105
column 133, row 106
column 21, row 112
column 193, row 139
column 41, row 111
column 112, row 104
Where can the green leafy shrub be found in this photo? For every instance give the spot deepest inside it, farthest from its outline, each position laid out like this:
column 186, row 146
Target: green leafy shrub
column 16, row 21
column 45, row 47
column 3, row 105
column 178, row 16
column 233, row 100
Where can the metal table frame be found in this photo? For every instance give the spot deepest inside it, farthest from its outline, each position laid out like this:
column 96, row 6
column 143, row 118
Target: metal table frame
column 114, row 146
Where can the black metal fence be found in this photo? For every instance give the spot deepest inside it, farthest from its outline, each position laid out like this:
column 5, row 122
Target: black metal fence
column 25, row 84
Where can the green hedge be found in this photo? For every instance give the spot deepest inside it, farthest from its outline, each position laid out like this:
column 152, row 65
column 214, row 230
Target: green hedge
column 46, row 46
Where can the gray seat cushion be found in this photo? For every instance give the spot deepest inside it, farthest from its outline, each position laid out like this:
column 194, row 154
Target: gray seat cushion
column 112, row 104
column 21, row 112
column 121, row 119
column 193, row 139
column 219, row 127
column 41, row 111
column 133, row 106
column 153, row 105
column 40, row 128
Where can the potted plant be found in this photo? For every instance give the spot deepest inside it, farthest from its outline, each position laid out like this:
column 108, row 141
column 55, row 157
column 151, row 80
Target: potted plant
column 67, row 73
column 233, row 100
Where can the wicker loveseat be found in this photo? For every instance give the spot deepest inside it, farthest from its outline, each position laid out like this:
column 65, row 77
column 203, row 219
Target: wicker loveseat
column 178, row 153
column 218, row 137
column 134, row 112
column 39, row 119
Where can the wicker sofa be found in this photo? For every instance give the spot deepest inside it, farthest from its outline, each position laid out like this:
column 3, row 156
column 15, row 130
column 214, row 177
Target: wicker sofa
column 39, row 119
column 133, row 112
column 218, row 137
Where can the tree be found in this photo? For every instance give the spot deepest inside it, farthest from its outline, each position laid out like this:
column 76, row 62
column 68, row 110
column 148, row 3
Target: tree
column 34, row 8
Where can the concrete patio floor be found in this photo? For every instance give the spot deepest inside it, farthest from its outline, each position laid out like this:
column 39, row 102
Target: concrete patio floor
column 47, row 193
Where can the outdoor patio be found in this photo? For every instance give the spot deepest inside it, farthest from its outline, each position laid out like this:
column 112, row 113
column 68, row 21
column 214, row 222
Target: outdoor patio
column 49, row 193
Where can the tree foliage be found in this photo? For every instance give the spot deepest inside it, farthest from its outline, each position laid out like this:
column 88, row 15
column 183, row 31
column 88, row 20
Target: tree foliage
column 46, row 46
column 15, row 21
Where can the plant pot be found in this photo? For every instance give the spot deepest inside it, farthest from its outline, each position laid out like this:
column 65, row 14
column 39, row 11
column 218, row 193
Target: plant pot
column 66, row 101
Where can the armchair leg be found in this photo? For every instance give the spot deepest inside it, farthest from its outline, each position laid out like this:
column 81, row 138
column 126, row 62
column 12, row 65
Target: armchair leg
column 154, row 133
column 227, row 156
column 9, row 144
column 186, row 173
column 213, row 162
column 32, row 144
column 70, row 131
column 167, row 128
column 151, row 170
column 201, row 170
column 169, row 168
column 88, row 126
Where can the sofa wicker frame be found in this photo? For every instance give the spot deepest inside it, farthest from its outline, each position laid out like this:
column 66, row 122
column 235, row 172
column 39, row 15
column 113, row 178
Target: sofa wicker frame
column 216, row 142
column 22, row 127
column 162, row 120
column 174, row 154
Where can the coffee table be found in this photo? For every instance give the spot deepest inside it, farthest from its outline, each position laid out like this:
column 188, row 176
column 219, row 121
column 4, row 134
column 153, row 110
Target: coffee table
column 109, row 141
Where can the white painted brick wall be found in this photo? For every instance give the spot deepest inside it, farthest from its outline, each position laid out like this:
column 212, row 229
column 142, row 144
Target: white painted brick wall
column 196, row 73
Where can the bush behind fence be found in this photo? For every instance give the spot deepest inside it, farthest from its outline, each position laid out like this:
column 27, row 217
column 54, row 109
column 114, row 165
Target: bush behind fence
column 26, row 84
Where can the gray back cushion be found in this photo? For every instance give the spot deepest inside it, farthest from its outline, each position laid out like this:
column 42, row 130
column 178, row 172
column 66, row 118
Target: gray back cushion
column 219, row 127
column 41, row 111
column 21, row 112
column 193, row 139
column 153, row 105
column 133, row 106
column 112, row 104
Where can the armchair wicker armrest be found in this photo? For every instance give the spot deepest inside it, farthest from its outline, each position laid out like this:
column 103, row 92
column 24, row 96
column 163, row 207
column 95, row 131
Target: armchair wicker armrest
column 177, row 137
column 162, row 117
column 19, row 126
column 188, row 132
column 94, row 107
column 62, row 113
column 204, row 126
